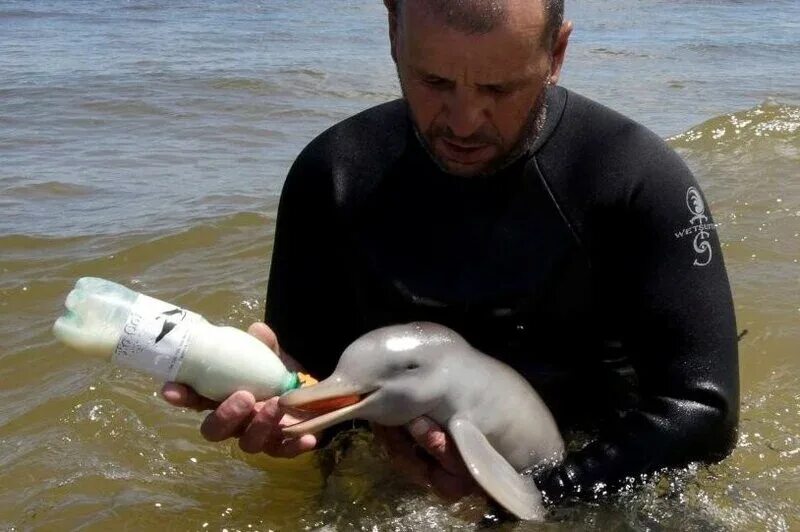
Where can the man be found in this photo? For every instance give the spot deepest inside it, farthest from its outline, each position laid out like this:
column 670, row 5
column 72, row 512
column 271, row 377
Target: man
column 551, row 232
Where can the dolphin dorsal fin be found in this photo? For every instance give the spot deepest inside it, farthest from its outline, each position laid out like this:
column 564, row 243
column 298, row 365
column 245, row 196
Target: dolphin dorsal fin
column 516, row 493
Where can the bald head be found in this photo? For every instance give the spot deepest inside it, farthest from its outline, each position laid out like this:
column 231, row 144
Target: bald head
column 481, row 16
column 469, row 16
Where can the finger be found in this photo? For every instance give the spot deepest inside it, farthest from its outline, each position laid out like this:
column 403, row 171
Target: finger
column 432, row 437
column 261, row 425
column 268, row 336
column 448, row 476
column 276, row 444
column 183, row 396
column 265, row 334
column 230, row 417
column 291, row 447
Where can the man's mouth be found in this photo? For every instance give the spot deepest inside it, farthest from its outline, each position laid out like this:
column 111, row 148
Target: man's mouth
column 465, row 153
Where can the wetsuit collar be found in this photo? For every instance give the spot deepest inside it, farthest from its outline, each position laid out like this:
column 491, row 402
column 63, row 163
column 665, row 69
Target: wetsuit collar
column 555, row 100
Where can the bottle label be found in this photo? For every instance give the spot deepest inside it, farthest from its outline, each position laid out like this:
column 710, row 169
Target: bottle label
column 155, row 337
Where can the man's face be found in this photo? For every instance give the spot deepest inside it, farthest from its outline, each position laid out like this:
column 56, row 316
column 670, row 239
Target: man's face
column 474, row 98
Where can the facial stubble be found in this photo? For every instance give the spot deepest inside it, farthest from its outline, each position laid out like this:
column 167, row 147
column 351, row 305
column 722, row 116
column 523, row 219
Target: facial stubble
column 531, row 129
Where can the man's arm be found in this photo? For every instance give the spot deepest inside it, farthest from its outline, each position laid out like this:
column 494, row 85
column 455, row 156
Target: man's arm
column 679, row 328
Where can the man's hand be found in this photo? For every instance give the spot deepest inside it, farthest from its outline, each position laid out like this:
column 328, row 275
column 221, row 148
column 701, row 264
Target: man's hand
column 257, row 424
column 425, row 452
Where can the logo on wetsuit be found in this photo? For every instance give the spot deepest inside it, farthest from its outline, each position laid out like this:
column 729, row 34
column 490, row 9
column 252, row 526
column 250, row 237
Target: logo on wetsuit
column 699, row 227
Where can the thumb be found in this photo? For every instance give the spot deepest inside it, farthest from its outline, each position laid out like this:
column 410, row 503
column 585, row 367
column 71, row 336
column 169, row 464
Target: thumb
column 262, row 332
column 266, row 335
column 431, row 436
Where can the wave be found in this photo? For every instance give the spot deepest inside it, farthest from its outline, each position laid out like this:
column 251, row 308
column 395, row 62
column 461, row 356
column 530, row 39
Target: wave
column 258, row 86
column 22, row 252
column 216, row 266
column 306, row 72
column 771, row 122
column 27, row 13
column 50, row 189
column 202, row 237
column 624, row 53
column 26, row 242
column 126, row 108
column 143, row 6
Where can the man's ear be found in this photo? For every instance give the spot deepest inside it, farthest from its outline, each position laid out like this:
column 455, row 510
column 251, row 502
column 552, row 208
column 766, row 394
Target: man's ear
column 559, row 51
column 391, row 7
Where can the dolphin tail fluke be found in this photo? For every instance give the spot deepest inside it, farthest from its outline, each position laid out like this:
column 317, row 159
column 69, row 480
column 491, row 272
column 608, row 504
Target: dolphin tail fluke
column 514, row 492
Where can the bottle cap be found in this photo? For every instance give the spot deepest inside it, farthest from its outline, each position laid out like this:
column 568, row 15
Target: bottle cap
column 290, row 382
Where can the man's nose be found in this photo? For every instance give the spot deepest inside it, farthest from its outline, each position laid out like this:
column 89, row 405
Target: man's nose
column 466, row 112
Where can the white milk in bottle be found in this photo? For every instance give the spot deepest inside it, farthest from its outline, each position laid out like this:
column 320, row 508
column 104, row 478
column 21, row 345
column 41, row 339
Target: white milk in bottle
column 170, row 343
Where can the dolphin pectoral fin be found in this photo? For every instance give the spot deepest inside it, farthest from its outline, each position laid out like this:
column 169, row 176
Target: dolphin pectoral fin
column 514, row 492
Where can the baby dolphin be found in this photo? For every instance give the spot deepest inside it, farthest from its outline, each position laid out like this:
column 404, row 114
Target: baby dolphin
column 498, row 422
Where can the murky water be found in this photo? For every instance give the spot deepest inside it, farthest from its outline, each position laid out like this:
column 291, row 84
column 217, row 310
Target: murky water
column 146, row 142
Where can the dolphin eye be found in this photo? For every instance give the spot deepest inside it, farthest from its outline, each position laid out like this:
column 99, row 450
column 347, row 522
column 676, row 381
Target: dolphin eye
column 412, row 365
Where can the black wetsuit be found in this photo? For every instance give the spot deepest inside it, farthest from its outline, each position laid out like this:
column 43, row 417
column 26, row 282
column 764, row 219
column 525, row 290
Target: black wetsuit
column 592, row 253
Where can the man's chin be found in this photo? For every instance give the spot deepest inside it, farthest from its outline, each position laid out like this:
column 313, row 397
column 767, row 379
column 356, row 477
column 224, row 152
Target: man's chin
column 465, row 169
column 466, row 166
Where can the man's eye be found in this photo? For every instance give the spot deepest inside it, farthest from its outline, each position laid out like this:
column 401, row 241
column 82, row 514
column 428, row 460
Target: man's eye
column 498, row 89
column 435, row 82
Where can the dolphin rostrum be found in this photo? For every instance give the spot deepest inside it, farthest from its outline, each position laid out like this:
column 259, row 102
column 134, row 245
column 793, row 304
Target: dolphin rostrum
column 397, row 373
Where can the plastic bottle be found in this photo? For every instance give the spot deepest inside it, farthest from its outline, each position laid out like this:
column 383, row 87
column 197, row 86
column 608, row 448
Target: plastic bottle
column 106, row 319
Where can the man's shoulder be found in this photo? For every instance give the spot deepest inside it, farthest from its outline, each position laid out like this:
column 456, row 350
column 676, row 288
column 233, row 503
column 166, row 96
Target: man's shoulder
column 601, row 165
column 349, row 159
column 599, row 144
column 592, row 123
column 392, row 115
column 374, row 132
